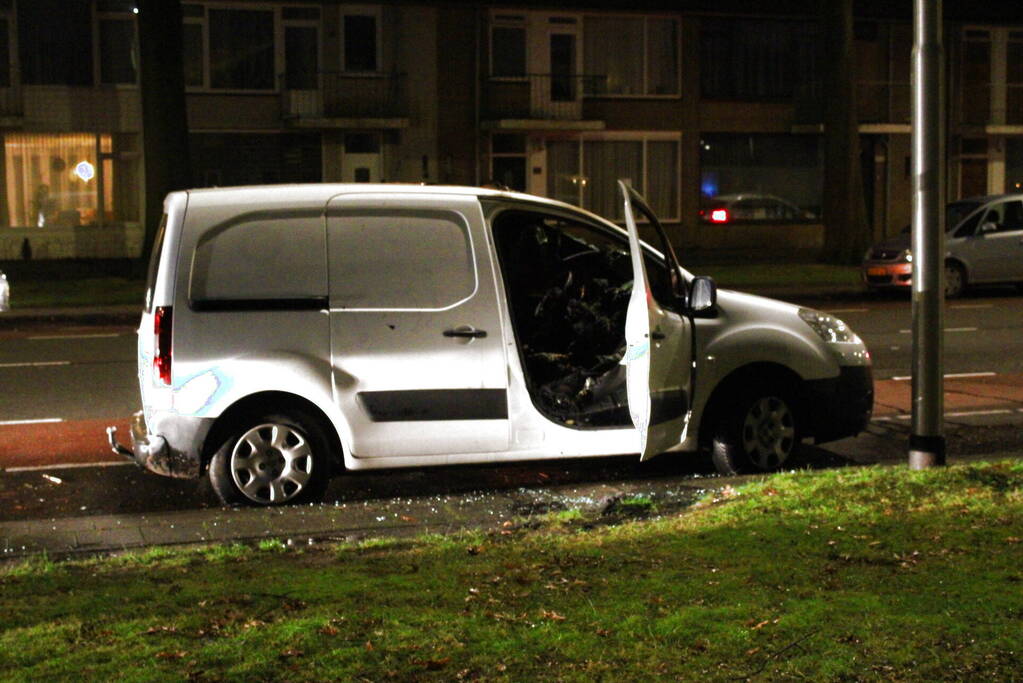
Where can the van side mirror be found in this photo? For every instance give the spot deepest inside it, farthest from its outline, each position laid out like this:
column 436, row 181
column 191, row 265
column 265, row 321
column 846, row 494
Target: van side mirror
column 703, row 294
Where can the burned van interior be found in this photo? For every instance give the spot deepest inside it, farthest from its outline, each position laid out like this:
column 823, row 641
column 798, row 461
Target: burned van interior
column 568, row 286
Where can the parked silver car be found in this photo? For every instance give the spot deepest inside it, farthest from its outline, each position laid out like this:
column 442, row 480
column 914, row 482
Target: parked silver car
column 983, row 244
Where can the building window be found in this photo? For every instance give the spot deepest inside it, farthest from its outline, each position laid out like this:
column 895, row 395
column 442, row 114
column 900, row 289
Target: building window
column 508, row 46
column 757, row 60
column 5, row 52
column 766, row 178
column 586, row 173
column 361, row 40
column 508, row 161
column 60, row 49
column 632, row 56
column 1014, row 165
column 115, row 33
column 69, row 179
column 241, row 49
column 301, row 47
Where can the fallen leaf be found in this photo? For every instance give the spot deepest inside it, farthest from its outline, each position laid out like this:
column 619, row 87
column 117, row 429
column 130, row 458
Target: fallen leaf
column 178, row 654
column 329, row 630
column 407, row 518
column 750, row 653
column 603, row 632
column 553, row 616
column 161, row 629
column 474, row 549
column 761, row 625
column 290, row 653
column 369, row 646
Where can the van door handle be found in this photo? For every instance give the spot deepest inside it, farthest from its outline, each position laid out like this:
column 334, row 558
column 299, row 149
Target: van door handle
column 466, row 332
column 657, row 336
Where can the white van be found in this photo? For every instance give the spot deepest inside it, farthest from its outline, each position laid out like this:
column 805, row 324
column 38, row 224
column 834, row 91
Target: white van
column 291, row 333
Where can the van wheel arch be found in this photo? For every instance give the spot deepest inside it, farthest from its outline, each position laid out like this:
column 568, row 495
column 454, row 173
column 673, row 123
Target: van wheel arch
column 276, row 402
column 735, row 386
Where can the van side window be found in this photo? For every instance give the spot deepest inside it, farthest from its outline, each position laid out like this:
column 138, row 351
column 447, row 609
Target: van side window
column 261, row 257
column 399, row 260
column 1006, row 216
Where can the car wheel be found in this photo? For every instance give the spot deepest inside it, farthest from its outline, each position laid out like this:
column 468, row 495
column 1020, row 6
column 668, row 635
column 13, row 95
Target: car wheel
column 955, row 280
column 757, row 433
column 272, row 459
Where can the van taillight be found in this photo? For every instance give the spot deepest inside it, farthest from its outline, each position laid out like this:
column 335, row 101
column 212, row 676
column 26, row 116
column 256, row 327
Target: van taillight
column 719, row 216
column 162, row 352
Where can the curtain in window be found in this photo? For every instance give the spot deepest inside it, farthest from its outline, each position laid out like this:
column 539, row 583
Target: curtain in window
column 604, row 163
column 614, row 51
column 563, row 180
column 52, row 180
column 662, row 178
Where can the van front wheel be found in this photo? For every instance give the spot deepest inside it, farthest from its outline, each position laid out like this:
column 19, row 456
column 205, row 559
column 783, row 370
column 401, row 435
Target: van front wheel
column 272, row 459
column 757, row 433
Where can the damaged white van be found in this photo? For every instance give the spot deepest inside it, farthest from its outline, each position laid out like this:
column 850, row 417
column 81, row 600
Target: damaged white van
column 291, row 333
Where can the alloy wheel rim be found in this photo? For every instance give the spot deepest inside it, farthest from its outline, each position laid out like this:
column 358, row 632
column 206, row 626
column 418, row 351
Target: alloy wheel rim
column 769, row 432
column 271, row 463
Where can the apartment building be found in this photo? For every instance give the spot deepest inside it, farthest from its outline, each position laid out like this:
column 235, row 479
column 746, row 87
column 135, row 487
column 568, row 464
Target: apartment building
column 555, row 99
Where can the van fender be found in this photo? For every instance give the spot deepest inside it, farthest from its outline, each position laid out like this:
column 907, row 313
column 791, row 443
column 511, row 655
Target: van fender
column 212, row 391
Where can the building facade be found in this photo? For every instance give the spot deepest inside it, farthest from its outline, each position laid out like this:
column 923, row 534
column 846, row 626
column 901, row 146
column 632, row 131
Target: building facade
column 714, row 116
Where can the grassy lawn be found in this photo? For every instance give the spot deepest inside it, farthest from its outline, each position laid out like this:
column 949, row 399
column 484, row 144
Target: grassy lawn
column 865, row 574
column 77, row 292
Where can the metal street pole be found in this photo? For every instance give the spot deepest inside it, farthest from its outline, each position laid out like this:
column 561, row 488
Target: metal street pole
column 927, row 440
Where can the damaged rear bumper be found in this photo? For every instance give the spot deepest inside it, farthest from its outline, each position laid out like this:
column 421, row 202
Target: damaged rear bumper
column 174, row 453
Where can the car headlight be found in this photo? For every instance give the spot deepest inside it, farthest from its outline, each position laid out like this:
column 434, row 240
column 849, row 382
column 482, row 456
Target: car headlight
column 905, row 256
column 828, row 327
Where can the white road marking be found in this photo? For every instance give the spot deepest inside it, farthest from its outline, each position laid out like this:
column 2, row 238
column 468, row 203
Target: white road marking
column 947, row 329
column 848, row 310
column 67, row 466
column 44, row 420
column 961, row 413
column 952, row 375
column 35, row 364
column 75, row 336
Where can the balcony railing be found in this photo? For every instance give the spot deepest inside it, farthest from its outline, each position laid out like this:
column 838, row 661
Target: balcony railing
column 343, row 95
column 539, row 96
column 991, row 103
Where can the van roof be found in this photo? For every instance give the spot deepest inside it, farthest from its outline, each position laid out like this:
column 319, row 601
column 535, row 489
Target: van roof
column 313, row 192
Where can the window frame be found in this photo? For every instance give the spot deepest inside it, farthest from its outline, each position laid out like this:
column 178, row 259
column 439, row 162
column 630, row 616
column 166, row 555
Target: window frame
column 644, row 95
column 500, row 19
column 281, row 29
column 375, row 11
column 207, row 72
column 645, row 137
column 98, row 17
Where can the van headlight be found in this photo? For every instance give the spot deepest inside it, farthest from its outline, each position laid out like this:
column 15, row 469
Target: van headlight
column 828, row 327
column 905, row 256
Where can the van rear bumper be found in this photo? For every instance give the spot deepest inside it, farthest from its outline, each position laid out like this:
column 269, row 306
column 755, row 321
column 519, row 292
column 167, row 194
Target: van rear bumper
column 171, row 450
column 841, row 406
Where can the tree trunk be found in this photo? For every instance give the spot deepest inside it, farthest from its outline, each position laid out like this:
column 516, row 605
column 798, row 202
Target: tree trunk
column 164, row 120
column 845, row 220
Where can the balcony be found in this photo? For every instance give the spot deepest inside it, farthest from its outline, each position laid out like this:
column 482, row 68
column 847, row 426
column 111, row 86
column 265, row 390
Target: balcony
column 991, row 104
column 539, row 101
column 345, row 100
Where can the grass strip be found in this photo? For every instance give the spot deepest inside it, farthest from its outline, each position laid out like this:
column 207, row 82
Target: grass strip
column 93, row 291
column 852, row 574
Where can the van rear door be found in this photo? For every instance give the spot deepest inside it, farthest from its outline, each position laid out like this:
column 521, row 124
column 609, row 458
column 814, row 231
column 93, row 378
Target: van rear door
column 659, row 353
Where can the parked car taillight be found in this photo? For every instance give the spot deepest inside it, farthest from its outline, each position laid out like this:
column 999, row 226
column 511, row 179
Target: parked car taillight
column 162, row 353
column 719, row 216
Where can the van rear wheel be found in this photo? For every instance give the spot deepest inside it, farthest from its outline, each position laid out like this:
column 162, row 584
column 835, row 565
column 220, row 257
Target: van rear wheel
column 758, row 432
column 272, row 459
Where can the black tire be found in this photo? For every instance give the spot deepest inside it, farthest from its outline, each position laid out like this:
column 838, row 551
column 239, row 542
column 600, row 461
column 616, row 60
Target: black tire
column 272, row 459
column 955, row 280
column 758, row 432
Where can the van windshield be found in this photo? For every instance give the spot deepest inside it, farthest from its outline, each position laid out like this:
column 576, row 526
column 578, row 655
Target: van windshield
column 154, row 263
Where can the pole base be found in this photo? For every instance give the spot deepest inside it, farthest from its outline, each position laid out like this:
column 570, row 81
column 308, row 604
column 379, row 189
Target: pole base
column 926, row 451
